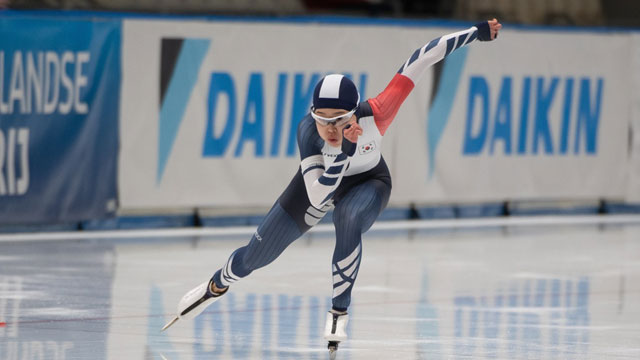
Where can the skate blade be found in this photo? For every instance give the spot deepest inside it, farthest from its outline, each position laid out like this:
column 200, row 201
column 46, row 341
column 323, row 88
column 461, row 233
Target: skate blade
column 170, row 323
column 333, row 349
column 333, row 354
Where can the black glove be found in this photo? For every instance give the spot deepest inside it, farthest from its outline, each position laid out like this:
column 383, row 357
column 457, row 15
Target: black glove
column 348, row 147
column 484, row 31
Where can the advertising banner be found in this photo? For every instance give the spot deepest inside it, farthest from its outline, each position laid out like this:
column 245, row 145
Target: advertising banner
column 59, row 98
column 210, row 109
column 534, row 115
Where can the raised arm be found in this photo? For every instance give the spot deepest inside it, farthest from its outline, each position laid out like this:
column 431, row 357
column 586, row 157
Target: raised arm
column 385, row 106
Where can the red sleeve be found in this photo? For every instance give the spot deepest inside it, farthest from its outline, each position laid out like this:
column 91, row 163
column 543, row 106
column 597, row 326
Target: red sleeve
column 385, row 106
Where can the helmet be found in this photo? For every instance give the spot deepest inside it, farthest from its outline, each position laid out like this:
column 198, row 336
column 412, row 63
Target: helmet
column 336, row 91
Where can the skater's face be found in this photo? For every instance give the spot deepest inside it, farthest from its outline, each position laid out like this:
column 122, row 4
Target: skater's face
column 332, row 133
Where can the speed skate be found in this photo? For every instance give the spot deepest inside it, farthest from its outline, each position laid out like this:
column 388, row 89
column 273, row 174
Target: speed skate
column 194, row 302
column 335, row 330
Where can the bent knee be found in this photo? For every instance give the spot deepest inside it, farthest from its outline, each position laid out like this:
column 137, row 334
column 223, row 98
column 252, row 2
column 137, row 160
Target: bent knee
column 359, row 221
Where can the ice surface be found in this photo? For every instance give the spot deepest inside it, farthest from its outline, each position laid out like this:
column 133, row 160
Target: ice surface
column 506, row 293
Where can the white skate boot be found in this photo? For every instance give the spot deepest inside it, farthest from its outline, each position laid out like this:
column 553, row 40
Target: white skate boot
column 195, row 301
column 335, row 330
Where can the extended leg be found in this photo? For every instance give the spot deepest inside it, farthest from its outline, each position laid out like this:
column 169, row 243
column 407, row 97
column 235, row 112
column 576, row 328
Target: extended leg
column 277, row 231
column 287, row 220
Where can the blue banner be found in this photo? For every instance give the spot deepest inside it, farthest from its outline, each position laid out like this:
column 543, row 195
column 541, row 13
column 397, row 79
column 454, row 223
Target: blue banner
column 59, row 101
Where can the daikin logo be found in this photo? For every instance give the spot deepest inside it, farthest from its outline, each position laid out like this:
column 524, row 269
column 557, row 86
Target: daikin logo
column 237, row 118
column 240, row 124
column 546, row 115
column 556, row 115
column 180, row 63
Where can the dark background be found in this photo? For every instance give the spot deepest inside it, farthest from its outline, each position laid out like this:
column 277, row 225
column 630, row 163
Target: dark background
column 618, row 13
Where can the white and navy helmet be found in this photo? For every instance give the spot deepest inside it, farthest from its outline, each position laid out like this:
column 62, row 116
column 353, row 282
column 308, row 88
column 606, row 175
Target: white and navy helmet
column 336, row 91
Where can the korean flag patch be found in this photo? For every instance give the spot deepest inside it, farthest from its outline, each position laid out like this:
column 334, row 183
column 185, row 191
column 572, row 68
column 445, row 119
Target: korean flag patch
column 367, row 148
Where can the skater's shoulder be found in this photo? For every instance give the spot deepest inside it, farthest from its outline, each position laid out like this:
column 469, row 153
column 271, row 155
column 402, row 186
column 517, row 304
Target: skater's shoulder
column 307, row 130
column 309, row 141
column 364, row 110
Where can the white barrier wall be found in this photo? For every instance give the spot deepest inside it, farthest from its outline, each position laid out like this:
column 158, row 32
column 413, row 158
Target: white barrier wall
column 633, row 187
column 209, row 111
column 535, row 115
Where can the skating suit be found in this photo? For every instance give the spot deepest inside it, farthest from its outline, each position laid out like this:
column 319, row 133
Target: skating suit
column 355, row 183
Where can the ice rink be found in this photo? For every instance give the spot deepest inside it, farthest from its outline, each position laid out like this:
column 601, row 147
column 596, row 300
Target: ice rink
column 503, row 292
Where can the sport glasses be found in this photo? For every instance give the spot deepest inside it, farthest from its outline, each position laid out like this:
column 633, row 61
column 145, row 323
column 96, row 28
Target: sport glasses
column 336, row 120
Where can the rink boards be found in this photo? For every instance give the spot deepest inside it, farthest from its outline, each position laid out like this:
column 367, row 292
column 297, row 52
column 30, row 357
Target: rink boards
column 210, row 109
column 124, row 114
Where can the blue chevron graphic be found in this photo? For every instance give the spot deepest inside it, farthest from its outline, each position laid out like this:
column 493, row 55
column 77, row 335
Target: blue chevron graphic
column 443, row 102
column 178, row 93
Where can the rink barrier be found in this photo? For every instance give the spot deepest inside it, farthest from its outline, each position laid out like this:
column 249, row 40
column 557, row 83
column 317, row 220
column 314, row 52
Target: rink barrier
column 481, row 210
column 621, row 208
column 247, row 220
column 465, row 156
column 533, row 208
column 59, row 124
column 141, row 222
column 40, row 228
column 476, row 223
column 424, row 212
